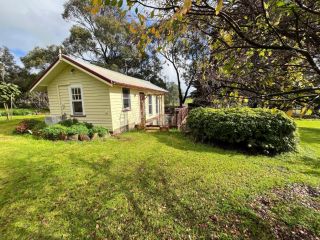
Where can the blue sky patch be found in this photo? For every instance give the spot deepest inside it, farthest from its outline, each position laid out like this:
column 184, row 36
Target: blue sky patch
column 18, row 52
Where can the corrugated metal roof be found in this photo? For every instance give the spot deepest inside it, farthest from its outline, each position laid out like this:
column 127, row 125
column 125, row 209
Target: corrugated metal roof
column 115, row 77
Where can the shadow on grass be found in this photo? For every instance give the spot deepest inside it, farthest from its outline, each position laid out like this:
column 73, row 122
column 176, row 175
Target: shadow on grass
column 312, row 162
column 149, row 189
column 314, row 173
column 7, row 127
column 25, row 184
column 144, row 190
column 310, row 135
column 183, row 142
column 109, row 203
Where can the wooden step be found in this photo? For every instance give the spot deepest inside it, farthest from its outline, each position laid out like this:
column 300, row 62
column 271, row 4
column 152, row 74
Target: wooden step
column 156, row 128
column 152, row 128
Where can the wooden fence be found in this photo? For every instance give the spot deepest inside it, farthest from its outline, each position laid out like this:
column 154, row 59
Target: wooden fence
column 176, row 116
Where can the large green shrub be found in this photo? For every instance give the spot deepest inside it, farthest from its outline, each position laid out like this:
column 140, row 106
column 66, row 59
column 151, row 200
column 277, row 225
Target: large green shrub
column 267, row 131
column 54, row 132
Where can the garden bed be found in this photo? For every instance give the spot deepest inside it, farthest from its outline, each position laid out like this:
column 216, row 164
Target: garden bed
column 69, row 129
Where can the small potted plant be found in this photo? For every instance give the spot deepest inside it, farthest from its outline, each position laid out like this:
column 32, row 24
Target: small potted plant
column 97, row 132
column 73, row 133
column 93, row 134
column 78, row 132
column 83, row 132
column 63, row 135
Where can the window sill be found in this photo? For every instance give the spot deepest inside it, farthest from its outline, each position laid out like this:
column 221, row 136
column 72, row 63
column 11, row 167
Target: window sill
column 126, row 110
column 77, row 116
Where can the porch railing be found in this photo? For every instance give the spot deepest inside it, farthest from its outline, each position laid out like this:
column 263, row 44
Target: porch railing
column 176, row 116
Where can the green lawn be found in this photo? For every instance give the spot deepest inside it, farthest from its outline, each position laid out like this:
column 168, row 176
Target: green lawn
column 155, row 186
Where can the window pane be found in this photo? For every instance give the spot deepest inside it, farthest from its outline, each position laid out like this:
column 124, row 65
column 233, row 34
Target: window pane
column 77, row 107
column 126, row 103
column 76, row 93
column 150, row 104
column 126, row 98
column 125, row 91
column 157, row 104
column 76, row 96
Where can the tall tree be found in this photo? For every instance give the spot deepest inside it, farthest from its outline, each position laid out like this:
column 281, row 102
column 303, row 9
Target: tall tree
column 8, row 67
column 104, row 38
column 277, row 39
column 38, row 59
column 279, row 25
column 185, row 54
column 10, row 72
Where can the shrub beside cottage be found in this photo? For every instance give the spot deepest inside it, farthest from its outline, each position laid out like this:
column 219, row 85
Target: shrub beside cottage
column 256, row 130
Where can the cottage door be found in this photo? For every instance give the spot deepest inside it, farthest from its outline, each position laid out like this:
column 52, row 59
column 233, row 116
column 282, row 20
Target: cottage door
column 142, row 109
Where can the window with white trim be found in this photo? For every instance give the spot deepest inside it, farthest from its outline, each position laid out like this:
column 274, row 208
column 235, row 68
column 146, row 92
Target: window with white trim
column 157, row 104
column 77, row 101
column 150, row 104
column 126, row 99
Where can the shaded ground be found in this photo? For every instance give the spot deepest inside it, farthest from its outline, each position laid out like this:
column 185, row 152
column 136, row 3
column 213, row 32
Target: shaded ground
column 155, row 186
column 292, row 203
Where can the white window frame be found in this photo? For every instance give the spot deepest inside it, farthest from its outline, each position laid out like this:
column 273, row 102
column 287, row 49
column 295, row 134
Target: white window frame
column 157, row 105
column 128, row 108
column 150, row 104
column 71, row 100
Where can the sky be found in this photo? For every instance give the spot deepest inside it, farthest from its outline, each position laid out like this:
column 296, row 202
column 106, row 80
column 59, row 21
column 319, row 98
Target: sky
column 25, row 24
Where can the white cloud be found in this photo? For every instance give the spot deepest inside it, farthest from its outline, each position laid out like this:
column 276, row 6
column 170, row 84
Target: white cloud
column 29, row 23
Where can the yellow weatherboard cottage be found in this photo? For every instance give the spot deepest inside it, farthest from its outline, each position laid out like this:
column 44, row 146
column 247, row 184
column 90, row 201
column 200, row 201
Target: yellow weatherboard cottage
column 93, row 94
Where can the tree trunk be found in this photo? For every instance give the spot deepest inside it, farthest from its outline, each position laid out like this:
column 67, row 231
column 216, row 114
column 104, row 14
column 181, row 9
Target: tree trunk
column 6, row 108
column 181, row 100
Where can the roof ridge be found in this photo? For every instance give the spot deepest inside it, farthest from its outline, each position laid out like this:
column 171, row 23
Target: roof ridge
column 107, row 75
column 104, row 68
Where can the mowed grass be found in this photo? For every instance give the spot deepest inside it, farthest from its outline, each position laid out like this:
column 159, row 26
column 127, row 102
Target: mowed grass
column 148, row 186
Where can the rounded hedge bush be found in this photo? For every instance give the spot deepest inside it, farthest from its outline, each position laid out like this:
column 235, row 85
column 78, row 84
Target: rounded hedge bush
column 257, row 130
